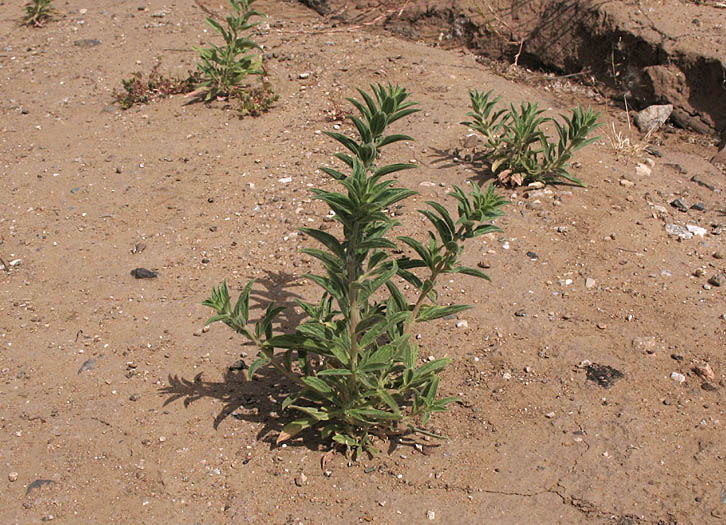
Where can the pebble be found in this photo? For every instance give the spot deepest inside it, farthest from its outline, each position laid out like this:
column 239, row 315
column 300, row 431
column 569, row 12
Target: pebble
column 430, row 515
column 704, row 371
column 716, row 280
column 718, row 255
column 696, row 230
column 90, row 364
column 87, row 42
column 680, row 231
column 676, row 376
column 304, row 75
column 699, row 206
column 652, row 116
column 301, row 479
column 626, row 183
column 532, row 255
column 13, row 476
column 680, row 205
column 709, row 387
column 604, row 375
column 646, row 344
column 462, row 324
column 590, row 283
column 143, row 273
column 520, row 313
column 550, row 415
column 643, row 170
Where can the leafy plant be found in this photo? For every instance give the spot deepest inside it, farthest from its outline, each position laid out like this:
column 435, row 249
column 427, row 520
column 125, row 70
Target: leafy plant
column 37, row 12
column 353, row 361
column 224, row 68
column 140, row 89
column 517, row 148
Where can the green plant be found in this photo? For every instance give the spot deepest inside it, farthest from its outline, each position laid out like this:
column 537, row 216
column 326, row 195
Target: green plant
column 222, row 68
column 37, row 12
column 517, row 148
column 353, row 361
column 140, row 89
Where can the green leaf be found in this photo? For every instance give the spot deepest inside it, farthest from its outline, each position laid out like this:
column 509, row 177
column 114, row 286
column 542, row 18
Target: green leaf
column 335, row 372
column 471, row 271
column 260, row 361
column 429, row 313
column 295, row 427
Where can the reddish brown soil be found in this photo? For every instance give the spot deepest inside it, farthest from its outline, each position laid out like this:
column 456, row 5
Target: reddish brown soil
column 161, row 432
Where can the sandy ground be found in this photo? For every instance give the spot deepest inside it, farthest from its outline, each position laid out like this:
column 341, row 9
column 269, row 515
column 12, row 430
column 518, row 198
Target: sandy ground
column 115, row 408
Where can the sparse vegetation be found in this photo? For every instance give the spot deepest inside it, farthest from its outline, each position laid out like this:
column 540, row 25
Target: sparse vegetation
column 224, row 69
column 517, row 148
column 353, row 363
column 142, row 89
column 37, row 12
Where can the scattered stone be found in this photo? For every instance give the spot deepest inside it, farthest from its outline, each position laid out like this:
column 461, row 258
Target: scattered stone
column 677, row 357
column 134, row 397
column 285, row 180
column 87, row 42
column 642, row 170
column 90, row 364
column 696, row 230
column 238, row 365
column 470, row 141
column 646, row 344
column 680, row 231
column 38, row 483
column 520, row 313
column 462, row 324
column 678, row 377
column 704, row 371
column 653, row 151
column 138, row 248
column 718, row 255
column 303, row 76
column 550, row 415
column 720, row 157
column 699, row 272
column 626, row 183
column 430, row 515
column 680, row 204
column 483, row 264
column 652, row 116
column 603, row 375
column 590, row 283
column 703, row 183
column 532, row 255
column 13, row 476
column 717, row 229
column 699, row 206
column 301, row 480
column 708, row 386
column 716, row 280
column 143, row 273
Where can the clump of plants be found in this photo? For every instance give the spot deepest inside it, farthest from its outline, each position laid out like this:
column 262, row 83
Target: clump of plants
column 142, row 89
column 353, row 363
column 224, row 69
column 516, row 146
column 37, row 12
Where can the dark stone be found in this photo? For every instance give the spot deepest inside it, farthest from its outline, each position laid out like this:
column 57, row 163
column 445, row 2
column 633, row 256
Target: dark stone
column 90, row 364
column 709, row 387
column 603, row 375
column 87, row 42
column 716, row 280
column 38, row 483
column 532, row 255
column 699, row 206
column 143, row 273
column 238, row 365
column 680, row 205
column 520, row 313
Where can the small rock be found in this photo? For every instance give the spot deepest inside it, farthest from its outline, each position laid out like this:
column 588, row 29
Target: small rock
column 532, row 255
column 134, row 397
column 143, row 273
column 680, row 231
column 138, row 248
column 626, row 183
column 646, row 344
column 430, row 515
column 678, row 377
column 301, row 479
column 303, row 76
column 652, row 116
column 680, row 204
column 238, row 365
column 699, row 206
column 520, row 313
column 483, row 264
column 550, row 415
column 642, row 170
column 603, row 375
column 90, row 364
column 590, row 283
column 462, row 324
column 470, row 141
column 704, row 371
column 13, row 476
column 677, row 357
column 708, row 386
column 696, row 230
column 718, row 255
column 198, row 332
column 716, row 280
column 87, row 42
column 285, row 180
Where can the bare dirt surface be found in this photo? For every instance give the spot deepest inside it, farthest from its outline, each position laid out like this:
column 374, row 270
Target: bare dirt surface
column 116, row 408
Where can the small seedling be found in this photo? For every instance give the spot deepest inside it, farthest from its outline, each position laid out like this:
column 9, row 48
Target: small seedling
column 516, row 146
column 224, row 69
column 141, row 89
column 37, row 12
column 353, row 364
